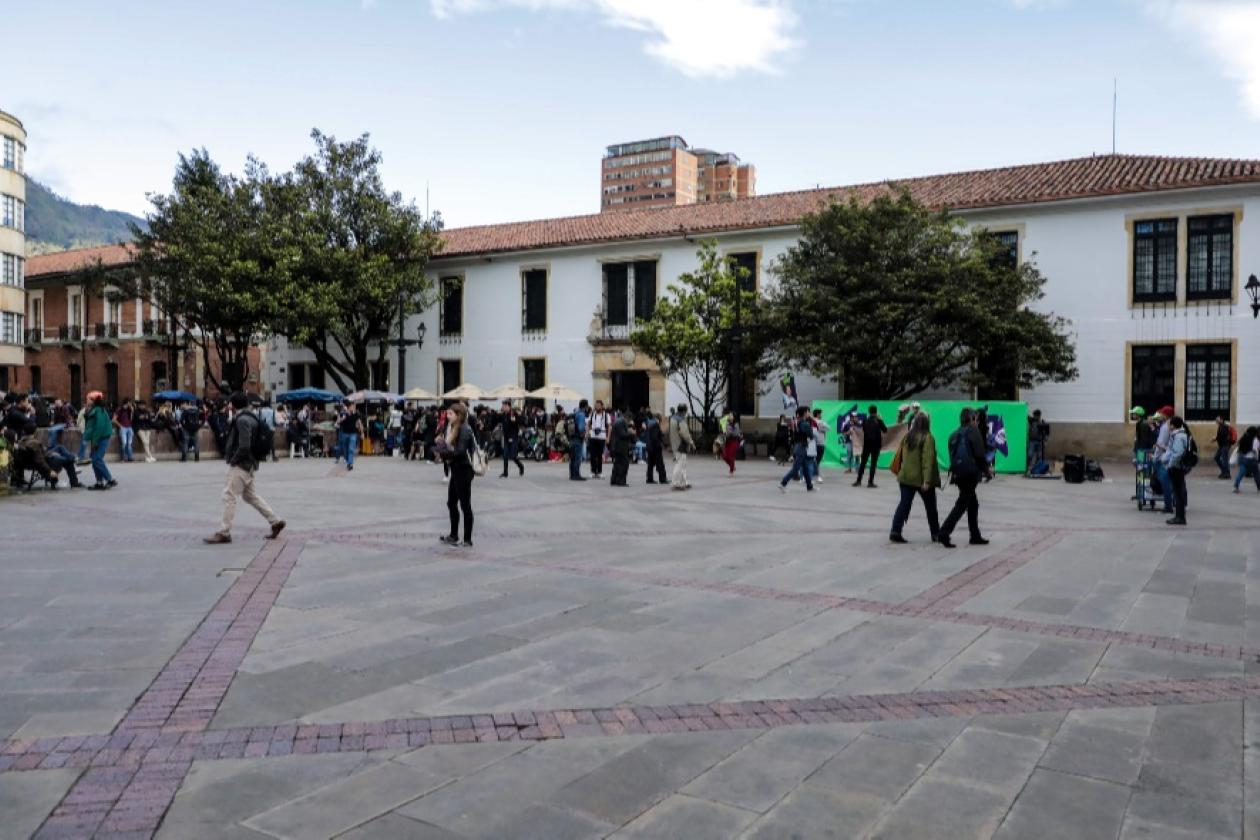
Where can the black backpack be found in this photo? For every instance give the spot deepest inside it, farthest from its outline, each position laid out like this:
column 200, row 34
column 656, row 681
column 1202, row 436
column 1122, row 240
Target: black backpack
column 961, row 462
column 1190, row 458
column 570, row 427
column 260, row 442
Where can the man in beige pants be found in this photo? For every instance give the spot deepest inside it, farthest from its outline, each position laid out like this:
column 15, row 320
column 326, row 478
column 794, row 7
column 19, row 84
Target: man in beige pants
column 238, row 451
column 681, row 442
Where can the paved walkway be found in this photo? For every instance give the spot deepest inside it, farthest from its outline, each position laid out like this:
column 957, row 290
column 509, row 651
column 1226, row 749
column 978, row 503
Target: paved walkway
column 729, row 662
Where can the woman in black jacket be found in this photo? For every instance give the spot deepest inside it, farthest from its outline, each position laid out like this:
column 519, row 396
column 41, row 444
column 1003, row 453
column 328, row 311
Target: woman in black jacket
column 458, row 454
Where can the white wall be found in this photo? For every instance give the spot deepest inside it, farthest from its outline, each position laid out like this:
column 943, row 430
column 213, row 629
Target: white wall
column 1081, row 247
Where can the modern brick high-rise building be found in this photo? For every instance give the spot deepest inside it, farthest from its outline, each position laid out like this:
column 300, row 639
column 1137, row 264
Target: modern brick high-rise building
column 665, row 172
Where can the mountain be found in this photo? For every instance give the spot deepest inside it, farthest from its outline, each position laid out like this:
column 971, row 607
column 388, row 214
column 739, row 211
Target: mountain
column 54, row 223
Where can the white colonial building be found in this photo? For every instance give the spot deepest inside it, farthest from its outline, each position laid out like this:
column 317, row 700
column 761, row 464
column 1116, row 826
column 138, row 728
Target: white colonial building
column 1147, row 256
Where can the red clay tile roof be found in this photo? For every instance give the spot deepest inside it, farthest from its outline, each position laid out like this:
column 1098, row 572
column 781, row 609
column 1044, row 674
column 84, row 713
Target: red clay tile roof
column 1090, row 177
column 65, row 261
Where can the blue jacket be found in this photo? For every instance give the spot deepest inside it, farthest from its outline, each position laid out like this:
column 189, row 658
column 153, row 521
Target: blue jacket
column 1178, row 444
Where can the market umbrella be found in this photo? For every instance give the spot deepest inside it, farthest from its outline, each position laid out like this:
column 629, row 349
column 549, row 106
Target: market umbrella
column 467, row 391
column 309, row 395
column 373, row 396
column 419, row 394
column 175, row 396
column 508, row 392
column 555, row 391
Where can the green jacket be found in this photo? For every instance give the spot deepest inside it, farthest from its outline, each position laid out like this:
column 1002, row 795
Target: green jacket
column 98, row 426
column 918, row 467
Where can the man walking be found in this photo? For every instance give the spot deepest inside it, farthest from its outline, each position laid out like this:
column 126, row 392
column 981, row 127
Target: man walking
column 349, row 430
column 510, row 426
column 189, row 425
column 967, row 465
column 802, row 461
column 872, row 440
column 655, row 449
column 242, row 450
column 622, row 438
column 680, row 443
column 577, row 425
column 1224, row 440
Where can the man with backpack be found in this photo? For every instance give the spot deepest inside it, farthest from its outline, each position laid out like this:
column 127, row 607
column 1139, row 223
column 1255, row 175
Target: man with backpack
column 1225, row 438
column 248, row 444
column 574, row 433
column 967, row 466
column 190, row 422
column 1181, row 456
column 680, row 443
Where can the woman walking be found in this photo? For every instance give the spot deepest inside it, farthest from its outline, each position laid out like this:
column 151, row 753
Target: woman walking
column 1248, row 457
column 458, row 454
column 98, row 428
column 919, row 474
column 734, row 437
column 510, row 425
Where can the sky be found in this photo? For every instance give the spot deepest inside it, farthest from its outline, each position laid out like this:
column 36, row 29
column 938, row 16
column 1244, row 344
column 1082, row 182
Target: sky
column 501, row 109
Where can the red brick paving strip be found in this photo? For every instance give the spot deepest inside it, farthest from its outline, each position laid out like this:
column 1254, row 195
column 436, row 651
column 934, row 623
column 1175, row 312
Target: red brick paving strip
column 135, row 777
column 959, row 588
column 133, row 774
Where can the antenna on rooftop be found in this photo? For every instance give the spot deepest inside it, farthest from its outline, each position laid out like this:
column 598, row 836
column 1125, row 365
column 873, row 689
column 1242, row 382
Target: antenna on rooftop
column 1115, row 95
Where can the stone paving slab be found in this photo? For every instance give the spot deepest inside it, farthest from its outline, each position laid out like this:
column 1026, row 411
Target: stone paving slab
column 723, row 662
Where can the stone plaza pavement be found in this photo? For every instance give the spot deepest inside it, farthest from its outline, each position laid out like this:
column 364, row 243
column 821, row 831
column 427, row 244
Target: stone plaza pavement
column 608, row 662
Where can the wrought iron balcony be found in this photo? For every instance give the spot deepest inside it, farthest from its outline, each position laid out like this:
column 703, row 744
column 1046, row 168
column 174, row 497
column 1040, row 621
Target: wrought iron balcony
column 70, row 333
column 34, row 337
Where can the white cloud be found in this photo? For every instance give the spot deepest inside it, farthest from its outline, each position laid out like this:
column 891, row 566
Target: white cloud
column 1230, row 30
column 698, row 37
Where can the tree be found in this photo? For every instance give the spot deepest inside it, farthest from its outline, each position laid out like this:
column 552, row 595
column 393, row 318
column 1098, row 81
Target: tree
column 361, row 257
column 215, row 259
column 695, row 330
column 900, row 299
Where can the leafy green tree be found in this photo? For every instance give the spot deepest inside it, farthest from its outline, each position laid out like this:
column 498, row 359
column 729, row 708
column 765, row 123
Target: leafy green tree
column 696, row 329
column 899, row 299
column 216, row 258
column 360, row 257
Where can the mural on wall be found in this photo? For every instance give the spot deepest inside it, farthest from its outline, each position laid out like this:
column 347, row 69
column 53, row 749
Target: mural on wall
column 1007, row 432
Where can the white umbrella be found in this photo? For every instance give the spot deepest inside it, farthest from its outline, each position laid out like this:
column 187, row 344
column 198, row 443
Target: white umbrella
column 467, row 391
column 419, row 394
column 555, row 391
column 508, row 392
column 373, row 396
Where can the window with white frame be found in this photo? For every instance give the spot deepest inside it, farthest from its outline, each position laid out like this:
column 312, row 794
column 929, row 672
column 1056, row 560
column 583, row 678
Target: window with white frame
column 12, row 212
column 10, row 328
column 12, row 270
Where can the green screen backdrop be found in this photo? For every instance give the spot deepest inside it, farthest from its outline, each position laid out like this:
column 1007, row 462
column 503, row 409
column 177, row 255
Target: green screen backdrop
column 944, row 414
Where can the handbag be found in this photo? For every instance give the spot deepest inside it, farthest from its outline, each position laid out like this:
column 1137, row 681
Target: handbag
column 811, row 449
column 477, row 457
column 895, row 466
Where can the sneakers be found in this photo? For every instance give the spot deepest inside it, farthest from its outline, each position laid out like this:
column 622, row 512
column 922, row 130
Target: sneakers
column 872, row 486
column 276, row 529
column 782, row 488
column 449, row 540
column 111, row 483
column 464, row 544
column 218, row 539
column 1176, row 520
column 99, row 486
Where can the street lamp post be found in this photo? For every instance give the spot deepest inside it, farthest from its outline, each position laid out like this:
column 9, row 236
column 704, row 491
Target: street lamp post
column 1253, row 291
column 402, row 343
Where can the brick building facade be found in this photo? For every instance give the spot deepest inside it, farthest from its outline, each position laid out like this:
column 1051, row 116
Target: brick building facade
column 77, row 343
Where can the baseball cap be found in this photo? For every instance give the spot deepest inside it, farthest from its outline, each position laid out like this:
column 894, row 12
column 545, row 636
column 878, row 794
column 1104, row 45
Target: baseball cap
column 1167, row 411
column 1138, row 411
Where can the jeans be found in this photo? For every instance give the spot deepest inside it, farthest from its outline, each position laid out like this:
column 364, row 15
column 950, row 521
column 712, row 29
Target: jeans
column 1161, row 473
column 1247, row 464
column 125, row 437
column 83, row 447
column 575, row 460
column 54, row 434
column 189, row 440
column 459, row 497
column 98, row 462
column 59, row 458
column 801, row 464
column 907, row 502
column 1178, row 482
column 967, row 503
column 1036, row 453
column 510, row 453
column 347, row 443
column 1222, row 460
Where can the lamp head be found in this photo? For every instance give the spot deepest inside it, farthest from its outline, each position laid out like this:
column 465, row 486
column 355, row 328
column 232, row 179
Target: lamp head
column 1253, row 291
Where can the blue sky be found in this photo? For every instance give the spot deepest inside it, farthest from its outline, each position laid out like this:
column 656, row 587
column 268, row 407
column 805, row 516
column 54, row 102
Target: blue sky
column 503, row 107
